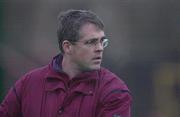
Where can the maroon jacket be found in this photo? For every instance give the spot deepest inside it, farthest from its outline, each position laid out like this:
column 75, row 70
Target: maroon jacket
column 48, row 92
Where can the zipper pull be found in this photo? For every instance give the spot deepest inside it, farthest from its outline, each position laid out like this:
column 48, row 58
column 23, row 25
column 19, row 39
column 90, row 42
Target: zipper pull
column 61, row 110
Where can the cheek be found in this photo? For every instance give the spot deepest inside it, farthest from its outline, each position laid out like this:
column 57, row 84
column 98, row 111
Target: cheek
column 85, row 53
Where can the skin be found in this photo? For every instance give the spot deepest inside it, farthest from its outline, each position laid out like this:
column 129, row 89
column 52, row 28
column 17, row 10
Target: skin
column 79, row 57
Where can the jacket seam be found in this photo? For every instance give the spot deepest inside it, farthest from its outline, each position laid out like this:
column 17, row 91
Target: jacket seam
column 17, row 97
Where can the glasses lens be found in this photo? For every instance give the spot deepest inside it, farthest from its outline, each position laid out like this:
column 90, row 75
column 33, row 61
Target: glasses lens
column 105, row 42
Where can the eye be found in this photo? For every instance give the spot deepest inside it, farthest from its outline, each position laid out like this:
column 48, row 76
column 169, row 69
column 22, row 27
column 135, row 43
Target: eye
column 91, row 42
column 102, row 40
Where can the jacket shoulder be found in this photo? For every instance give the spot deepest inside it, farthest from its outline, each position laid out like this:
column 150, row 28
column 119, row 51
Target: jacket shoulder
column 108, row 76
column 110, row 81
column 112, row 88
column 38, row 71
column 34, row 76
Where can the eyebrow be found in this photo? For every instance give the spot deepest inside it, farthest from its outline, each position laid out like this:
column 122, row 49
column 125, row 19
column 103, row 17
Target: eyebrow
column 104, row 37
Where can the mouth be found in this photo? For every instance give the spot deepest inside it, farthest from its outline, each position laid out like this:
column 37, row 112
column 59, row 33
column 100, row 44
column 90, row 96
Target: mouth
column 97, row 60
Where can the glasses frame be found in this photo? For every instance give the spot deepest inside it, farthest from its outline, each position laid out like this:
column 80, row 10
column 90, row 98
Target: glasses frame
column 94, row 42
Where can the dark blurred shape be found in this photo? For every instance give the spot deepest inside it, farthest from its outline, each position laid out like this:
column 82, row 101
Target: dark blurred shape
column 1, row 39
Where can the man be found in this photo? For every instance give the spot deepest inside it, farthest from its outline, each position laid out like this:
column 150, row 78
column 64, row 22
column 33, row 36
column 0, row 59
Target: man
column 73, row 84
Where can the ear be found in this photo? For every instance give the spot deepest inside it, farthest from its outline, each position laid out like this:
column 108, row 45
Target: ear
column 66, row 46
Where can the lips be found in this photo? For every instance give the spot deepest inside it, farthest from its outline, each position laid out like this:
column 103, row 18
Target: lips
column 97, row 58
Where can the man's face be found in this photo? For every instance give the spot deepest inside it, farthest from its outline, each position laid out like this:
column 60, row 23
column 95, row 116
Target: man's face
column 88, row 50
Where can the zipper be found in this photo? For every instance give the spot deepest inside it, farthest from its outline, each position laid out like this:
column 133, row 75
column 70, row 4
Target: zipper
column 65, row 101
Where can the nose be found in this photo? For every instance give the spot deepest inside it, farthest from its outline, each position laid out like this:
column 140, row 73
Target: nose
column 99, row 47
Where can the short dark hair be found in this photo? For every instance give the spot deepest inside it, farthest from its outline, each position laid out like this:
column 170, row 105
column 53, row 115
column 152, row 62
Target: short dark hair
column 70, row 22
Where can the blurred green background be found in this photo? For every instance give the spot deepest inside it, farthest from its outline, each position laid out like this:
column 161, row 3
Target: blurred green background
column 144, row 45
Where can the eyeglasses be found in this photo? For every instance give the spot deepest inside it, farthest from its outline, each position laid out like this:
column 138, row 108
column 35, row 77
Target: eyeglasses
column 94, row 42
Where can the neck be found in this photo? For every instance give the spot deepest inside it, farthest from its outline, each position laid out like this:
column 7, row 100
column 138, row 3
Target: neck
column 69, row 68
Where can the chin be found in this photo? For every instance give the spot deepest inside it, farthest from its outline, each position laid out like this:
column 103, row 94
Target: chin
column 96, row 67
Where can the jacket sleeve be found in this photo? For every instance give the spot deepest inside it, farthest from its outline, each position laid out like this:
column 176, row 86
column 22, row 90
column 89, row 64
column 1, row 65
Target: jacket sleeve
column 11, row 105
column 116, row 103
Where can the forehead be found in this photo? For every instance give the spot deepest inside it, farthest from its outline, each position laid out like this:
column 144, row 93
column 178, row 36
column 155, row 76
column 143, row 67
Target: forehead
column 89, row 30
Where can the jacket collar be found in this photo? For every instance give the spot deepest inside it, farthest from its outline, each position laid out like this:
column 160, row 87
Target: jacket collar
column 57, row 79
